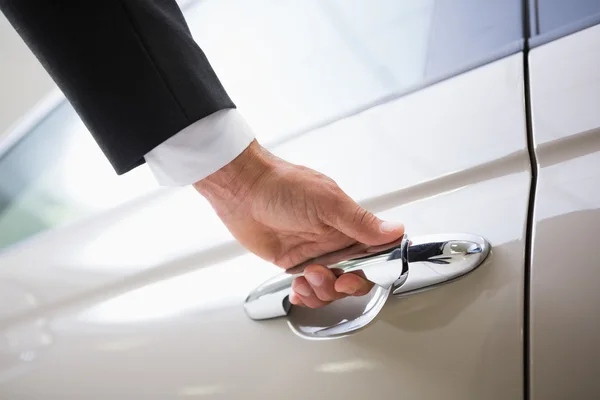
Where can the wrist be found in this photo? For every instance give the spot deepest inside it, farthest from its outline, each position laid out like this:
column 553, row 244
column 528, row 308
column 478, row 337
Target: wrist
column 235, row 180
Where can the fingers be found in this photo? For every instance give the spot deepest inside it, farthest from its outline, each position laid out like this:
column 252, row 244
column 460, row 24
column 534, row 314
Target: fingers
column 361, row 225
column 353, row 285
column 305, row 294
column 322, row 281
column 320, row 286
column 295, row 300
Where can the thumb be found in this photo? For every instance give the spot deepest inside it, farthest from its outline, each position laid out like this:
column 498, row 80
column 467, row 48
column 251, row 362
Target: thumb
column 363, row 226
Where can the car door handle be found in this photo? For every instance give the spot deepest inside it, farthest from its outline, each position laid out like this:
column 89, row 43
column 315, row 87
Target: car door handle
column 399, row 268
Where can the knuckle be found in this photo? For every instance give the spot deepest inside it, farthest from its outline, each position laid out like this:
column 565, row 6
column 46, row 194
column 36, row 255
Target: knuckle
column 330, row 192
column 362, row 216
column 324, row 296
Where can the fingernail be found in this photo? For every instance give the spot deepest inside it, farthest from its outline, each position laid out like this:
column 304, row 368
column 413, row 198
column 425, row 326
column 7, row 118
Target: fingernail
column 388, row 226
column 314, row 278
column 303, row 290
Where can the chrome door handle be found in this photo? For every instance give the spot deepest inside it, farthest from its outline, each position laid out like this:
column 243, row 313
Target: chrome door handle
column 400, row 268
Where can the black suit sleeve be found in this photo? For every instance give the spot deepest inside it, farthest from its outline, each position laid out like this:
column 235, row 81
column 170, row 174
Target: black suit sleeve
column 130, row 68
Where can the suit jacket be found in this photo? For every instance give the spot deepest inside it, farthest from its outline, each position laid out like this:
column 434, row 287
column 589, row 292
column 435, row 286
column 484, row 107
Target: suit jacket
column 130, row 68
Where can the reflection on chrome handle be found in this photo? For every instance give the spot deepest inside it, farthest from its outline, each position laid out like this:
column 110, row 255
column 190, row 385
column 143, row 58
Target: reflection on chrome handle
column 401, row 267
column 386, row 266
column 437, row 259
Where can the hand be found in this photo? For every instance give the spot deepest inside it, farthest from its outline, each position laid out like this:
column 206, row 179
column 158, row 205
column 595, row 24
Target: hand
column 288, row 214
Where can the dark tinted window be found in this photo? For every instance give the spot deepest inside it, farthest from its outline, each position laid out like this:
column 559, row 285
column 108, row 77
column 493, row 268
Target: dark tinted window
column 553, row 15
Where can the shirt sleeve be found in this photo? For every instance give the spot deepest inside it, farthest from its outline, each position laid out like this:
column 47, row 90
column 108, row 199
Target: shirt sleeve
column 200, row 149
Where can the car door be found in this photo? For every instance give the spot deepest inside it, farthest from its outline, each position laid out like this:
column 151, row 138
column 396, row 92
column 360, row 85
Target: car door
column 416, row 109
column 565, row 94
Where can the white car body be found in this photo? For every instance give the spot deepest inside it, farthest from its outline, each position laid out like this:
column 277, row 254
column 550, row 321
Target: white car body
column 145, row 299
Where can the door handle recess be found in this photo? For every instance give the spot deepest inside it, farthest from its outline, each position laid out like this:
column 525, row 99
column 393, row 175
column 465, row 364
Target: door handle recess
column 399, row 268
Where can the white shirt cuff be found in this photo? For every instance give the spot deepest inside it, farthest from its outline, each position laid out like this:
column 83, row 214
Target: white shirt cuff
column 202, row 148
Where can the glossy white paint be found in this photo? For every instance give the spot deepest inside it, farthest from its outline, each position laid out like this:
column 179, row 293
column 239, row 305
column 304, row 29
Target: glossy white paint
column 146, row 301
column 565, row 327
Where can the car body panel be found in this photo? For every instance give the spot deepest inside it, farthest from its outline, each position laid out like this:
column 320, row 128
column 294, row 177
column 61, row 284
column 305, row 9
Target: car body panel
column 145, row 300
column 565, row 327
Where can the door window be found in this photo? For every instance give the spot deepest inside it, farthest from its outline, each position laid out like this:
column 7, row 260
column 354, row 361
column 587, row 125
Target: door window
column 554, row 14
column 552, row 19
column 291, row 65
